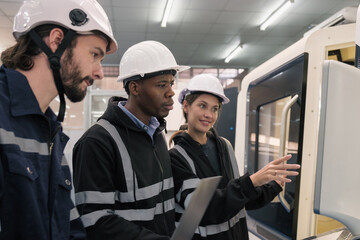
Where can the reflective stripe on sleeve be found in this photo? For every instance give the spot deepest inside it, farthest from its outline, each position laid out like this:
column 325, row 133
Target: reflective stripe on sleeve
column 146, row 214
column 129, row 214
column 91, row 218
column 93, row 197
column 187, row 184
column 179, row 208
column 205, row 231
column 222, row 227
column 74, row 214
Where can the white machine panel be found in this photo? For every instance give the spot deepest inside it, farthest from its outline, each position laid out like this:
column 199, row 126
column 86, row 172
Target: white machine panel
column 337, row 191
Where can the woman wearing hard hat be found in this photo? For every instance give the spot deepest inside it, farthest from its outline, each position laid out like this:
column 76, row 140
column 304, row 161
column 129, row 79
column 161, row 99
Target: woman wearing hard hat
column 122, row 172
column 199, row 153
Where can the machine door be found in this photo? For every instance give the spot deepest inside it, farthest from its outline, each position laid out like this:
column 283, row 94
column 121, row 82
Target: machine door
column 275, row 127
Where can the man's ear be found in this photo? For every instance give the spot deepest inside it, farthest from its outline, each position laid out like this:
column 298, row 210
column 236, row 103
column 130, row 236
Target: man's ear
column 55, row 38
column 134, row 87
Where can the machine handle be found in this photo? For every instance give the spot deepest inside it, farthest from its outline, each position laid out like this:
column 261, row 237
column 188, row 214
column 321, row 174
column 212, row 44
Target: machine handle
column 284, row 131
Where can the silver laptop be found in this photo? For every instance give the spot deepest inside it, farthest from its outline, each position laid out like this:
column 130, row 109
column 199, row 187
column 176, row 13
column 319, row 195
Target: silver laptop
column 196, row 209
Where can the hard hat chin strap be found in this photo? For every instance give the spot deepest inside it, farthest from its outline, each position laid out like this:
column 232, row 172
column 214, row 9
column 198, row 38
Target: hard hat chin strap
column 54, row 60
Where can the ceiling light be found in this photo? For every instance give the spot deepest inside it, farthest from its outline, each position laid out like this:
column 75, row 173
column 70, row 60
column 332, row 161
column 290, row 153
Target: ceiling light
column 166, row 13
column 233, row 53
column 276, row 14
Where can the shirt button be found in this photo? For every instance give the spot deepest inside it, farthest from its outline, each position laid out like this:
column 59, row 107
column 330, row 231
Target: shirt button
column 67, row 181
column 29, row 170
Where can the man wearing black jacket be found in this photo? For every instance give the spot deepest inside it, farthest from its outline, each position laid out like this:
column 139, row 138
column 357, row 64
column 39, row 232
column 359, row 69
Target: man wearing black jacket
column 122, row 172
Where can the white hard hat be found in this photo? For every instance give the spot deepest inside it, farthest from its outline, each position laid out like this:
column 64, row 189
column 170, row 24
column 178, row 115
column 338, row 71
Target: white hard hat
column 204, row 83
column 147, row 57
column 82, row 16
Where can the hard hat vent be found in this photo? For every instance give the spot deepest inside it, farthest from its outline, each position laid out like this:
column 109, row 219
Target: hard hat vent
column 82, row 16
column 78, row 17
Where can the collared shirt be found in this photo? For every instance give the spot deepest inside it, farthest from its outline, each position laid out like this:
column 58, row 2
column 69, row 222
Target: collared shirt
column 149, row 129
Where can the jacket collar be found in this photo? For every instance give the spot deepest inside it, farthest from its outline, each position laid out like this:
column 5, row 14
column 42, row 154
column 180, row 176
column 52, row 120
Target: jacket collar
column 22, row 99
column 116, row 116
column 185, row 136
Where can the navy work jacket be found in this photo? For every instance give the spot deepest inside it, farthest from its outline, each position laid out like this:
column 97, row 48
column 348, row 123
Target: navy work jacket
column 35, row 180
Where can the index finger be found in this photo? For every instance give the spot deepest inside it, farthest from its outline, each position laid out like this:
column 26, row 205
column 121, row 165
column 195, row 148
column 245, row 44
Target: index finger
column 282, row 159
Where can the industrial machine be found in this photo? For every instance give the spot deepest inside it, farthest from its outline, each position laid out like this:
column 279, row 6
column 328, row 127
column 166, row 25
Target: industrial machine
column 278, row 112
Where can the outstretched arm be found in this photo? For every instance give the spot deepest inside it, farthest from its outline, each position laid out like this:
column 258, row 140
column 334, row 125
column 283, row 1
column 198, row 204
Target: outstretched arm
column 275, row 170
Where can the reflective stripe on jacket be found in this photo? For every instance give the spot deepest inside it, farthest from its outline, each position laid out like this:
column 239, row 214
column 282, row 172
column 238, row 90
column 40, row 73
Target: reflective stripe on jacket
column 225, row 215
column 123, row 182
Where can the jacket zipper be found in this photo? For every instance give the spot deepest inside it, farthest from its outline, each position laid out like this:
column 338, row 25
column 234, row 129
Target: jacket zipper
column 50, row 208
column 162, row 190
column 161, row 170
column 51, row 144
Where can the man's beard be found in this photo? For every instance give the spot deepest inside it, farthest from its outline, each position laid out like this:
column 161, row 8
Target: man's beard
column 71, row 78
